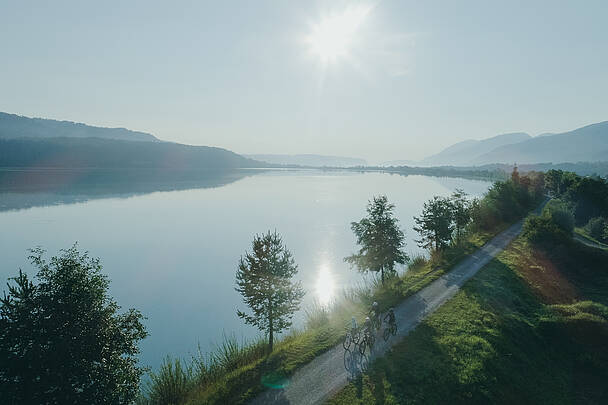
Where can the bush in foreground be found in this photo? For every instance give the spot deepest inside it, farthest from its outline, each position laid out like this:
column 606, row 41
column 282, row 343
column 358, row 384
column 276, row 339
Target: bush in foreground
column 62, row 340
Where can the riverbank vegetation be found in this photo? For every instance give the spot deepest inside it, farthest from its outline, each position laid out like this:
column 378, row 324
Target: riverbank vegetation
column 531, row 327
column 235, row 372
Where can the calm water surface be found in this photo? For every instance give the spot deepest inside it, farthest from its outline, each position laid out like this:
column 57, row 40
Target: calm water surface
column 173, row 254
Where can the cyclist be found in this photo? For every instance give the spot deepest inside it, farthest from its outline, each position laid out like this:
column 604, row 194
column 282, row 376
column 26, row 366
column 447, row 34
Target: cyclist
column 374, row 315
column 390, row 317
column 367, row 326
column 353, row 324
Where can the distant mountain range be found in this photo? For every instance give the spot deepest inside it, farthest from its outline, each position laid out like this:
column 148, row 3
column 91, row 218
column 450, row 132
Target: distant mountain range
column 310, row 160
column 38, row 143
column 43, row 143
column 586, row 144
column 461, row 153
column 17, row 126
column 589, row 143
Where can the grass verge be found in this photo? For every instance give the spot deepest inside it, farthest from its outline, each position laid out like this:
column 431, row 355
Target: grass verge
column 528, row 328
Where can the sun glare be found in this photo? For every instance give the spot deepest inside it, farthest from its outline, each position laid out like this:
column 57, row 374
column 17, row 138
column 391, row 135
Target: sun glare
column 334, row 35
column 325, row 286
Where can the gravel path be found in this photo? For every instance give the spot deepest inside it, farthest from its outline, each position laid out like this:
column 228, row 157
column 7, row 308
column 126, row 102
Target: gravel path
column 323, row 377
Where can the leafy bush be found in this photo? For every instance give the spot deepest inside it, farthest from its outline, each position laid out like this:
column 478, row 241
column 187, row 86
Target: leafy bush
column 62, row 339
column 559, row 212
column 507, row 201
column 596, row 227
column 544, row 231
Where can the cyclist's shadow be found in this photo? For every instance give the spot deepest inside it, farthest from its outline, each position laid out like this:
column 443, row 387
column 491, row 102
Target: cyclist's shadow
column 355, row 363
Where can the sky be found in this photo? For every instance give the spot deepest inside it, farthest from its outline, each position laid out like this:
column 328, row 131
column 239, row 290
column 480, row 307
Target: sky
column 379, row 80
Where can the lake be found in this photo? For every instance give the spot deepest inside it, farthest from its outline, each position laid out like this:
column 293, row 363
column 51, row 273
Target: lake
column 171, row 248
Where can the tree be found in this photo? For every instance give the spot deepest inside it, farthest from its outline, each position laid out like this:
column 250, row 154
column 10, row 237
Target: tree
column 553, row 181
column 264, row 279
column 461, row 211
column 62, row 340
column 515, row 175
column 380, row 238
column 435, row 225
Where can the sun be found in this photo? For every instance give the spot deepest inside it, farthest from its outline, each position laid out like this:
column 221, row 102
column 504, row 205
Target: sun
column 333, row 37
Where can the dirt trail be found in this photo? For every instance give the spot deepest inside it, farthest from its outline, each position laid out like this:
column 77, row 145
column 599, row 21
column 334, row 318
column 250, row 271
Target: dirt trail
column 327, row 374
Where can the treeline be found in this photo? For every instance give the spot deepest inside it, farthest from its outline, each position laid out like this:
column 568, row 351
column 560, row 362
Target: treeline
column 445, row 220
column 99, row 153
column 481, row 173
column 577, row 202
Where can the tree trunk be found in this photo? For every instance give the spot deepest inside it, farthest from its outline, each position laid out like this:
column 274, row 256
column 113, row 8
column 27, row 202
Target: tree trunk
column 271, row 332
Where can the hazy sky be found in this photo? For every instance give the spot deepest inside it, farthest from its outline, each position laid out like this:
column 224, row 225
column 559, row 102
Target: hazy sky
column 379, row 80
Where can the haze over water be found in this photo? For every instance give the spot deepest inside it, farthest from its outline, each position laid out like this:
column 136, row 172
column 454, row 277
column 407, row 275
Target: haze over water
column 173, row 254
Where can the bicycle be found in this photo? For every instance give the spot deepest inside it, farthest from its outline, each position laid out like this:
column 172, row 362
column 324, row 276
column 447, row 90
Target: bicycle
column 353, row 335
column 376, row 320
column 368, row 340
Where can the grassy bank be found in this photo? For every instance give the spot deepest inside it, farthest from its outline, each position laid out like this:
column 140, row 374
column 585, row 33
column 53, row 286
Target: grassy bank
column 529, row 328
column 235, row 373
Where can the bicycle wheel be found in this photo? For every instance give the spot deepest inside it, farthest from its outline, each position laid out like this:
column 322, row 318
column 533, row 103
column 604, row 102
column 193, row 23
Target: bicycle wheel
column 363, row 346
column 364, row 363
column 347, row 341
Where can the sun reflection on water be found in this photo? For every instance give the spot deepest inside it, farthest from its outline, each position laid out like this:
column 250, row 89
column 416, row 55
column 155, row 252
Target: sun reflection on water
column 325, row 286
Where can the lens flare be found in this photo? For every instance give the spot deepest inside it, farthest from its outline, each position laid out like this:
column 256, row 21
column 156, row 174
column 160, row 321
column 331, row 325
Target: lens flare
column 325, row 286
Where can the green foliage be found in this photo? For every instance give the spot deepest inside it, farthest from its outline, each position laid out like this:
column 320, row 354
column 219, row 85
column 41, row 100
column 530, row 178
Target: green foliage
column 170, row 384
column 62, row 339
column 561, row 215
column 264, row 279
column 588, row 195
column 506, row 201
column 435, row 225
column 380, row 238
column 497, row 341
column 596, row 228
column 461, row 212
column 543, row 231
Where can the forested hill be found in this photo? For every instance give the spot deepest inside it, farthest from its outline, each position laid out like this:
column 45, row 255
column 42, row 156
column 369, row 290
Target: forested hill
column 17, row 127
column 116, row 154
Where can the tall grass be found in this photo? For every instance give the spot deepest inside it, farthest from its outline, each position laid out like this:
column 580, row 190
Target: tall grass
column 176, row 378
column 170, row 384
